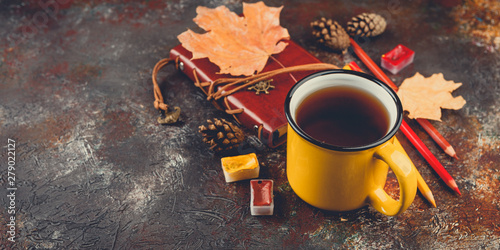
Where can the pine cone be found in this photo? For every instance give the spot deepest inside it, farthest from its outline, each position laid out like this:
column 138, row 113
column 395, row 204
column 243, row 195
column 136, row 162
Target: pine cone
column 221, row 135
column 366, row 25
column 330, row 33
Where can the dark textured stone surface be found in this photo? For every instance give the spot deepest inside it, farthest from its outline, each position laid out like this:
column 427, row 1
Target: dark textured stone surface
column 95, row 170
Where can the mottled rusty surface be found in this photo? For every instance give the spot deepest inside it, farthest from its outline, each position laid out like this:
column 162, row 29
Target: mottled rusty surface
column 95, row 170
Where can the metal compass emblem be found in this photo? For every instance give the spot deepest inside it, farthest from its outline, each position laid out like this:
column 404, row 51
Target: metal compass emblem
column 262, row 86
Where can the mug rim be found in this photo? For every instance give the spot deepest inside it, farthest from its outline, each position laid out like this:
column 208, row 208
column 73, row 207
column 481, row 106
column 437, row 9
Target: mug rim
column 383, row 139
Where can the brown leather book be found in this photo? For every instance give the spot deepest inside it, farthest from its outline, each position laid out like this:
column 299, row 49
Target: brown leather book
column 263, row 112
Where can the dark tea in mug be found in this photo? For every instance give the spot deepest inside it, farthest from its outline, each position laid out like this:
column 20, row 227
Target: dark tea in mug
column 343, row 116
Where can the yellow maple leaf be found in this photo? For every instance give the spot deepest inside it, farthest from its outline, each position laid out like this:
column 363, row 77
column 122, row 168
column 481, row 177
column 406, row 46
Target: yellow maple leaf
column 424, row 97
column 239, row 45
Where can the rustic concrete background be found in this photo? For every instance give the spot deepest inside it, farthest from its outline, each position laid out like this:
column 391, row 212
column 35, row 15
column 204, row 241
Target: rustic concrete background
column 95, row 170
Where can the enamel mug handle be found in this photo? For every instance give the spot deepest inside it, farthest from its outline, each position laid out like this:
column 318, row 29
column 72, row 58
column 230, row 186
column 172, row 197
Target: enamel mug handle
column 407, row 178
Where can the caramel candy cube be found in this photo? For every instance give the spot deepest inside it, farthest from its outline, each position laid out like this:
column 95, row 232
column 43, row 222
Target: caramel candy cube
column 241, row 167
column 261, row 199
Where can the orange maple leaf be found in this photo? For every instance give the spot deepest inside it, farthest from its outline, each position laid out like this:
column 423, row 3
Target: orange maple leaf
column 239, row 45
column 424, row 97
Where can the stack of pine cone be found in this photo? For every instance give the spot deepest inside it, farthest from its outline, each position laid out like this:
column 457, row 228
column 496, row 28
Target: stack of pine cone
column 331, row 34
column 221, row 135
column 366, row 25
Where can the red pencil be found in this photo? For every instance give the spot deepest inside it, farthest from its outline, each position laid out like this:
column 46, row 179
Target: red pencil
column 436, row 136
column 431, row 159
column 405, row 128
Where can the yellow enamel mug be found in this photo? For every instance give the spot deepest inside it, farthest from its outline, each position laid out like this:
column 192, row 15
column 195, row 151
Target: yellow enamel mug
column 339, row 178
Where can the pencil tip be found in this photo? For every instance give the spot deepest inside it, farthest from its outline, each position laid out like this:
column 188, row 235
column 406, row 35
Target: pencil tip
column 451, row 152
column 430, row 198
column 453, row 185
